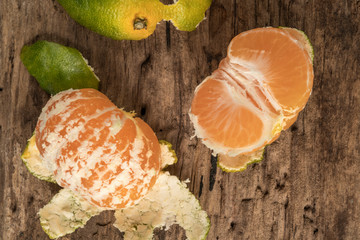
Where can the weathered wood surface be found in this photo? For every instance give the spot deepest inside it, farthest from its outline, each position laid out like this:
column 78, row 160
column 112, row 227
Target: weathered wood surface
column 307, row 187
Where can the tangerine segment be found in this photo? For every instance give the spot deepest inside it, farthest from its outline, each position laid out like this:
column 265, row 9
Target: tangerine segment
column 251, row 84
column 153, row 143
column 226, row 119
column 96, row 149
column 277, row 59
column 301, row 39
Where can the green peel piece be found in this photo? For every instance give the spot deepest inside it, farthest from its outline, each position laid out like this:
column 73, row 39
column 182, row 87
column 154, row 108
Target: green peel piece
column 240, row 162
column 168, row 202
column 168, row 155
column 34, row 163
column 187, row 14
column 58, row 68
column 65, row 213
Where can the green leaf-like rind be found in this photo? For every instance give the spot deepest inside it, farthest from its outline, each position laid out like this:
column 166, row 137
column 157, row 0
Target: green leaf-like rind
column 34, row 163
column 168, row 202
column 58, row 68
column 65, row 213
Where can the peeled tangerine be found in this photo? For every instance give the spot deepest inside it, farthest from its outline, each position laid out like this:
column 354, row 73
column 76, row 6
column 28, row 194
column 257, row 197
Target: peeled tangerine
column 103, row 153
column 105, row 158
column 257, row 91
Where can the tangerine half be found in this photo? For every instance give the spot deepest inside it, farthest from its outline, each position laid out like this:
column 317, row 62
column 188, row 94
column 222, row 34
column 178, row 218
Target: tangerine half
column 257, row 91
column 96, row 149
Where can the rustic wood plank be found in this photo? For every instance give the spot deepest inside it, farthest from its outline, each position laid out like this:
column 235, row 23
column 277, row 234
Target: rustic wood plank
column 305, row 188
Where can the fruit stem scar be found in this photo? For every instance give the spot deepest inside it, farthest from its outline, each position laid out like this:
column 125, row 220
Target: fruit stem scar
column 140, row 23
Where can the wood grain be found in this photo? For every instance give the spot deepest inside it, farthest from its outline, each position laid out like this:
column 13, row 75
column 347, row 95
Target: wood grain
column 307, row 187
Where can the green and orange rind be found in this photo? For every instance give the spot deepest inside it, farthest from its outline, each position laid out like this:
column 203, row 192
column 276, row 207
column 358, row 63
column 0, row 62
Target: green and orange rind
column 186, row 15
column 134, row 19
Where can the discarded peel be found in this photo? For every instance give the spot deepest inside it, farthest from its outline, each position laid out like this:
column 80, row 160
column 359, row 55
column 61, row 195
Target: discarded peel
column 65, row 213
column 187, row 14
column 168, row 203
column 58, row 68
column 168, row 155
column 34, row 163
column 257, row 91
column 134, row 19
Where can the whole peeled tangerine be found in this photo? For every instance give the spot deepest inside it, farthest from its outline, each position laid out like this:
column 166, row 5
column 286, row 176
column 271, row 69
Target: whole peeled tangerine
column 96, row 149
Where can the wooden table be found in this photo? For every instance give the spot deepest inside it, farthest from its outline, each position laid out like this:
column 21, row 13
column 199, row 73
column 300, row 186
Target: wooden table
column 308, row 185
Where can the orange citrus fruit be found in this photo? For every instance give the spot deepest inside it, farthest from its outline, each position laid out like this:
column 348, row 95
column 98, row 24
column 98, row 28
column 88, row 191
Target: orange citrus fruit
column 257, row 91
column 96, row 149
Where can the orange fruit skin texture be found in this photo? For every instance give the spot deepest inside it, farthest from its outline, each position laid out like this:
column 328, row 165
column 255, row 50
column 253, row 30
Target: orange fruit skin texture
column 257, row 91
column 96, row 149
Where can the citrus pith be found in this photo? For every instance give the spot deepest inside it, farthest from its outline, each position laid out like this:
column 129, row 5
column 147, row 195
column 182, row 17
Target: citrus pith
column 34, row 163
